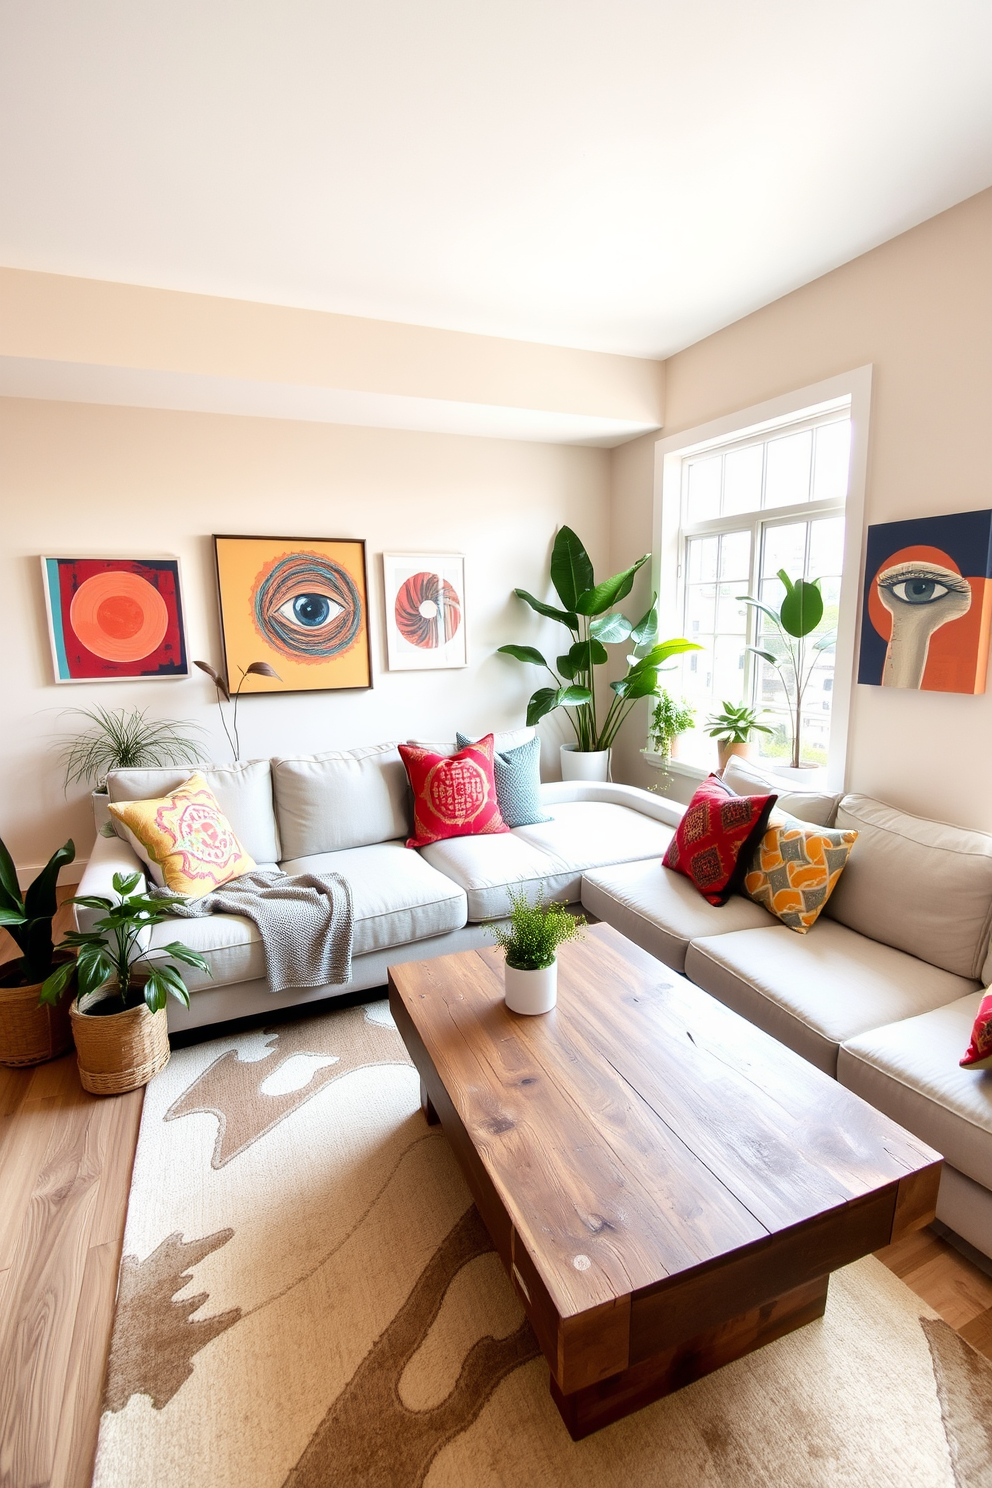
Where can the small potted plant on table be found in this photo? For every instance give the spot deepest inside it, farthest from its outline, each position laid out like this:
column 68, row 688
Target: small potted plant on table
column 31, row 1031
column 531, row 941
column 732, row 730
column 118, row 1019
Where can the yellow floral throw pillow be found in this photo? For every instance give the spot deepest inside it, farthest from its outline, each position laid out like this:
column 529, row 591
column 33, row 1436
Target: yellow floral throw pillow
column 796, row 868
column 186, row 837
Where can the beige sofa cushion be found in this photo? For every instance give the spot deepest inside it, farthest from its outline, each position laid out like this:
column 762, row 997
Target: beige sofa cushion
column 662, row 910
column 583, row 835
column 243, row 791
column 341, row 799
column 396, row 896
column 922, row 886
column 818, row 807
column 910, row 1071
column 814, row 991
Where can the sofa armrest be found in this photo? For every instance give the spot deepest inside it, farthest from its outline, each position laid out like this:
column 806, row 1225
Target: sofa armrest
column 646, row 802
column 110, row 855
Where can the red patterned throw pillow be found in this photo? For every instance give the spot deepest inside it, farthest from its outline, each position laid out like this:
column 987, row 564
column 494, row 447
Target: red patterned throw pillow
column 453, row 795
column 716, row 838
column 979, row 1055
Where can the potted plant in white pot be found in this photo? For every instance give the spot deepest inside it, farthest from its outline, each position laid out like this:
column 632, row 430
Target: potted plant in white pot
column 732, row 729
column 32, row 1031
column 531, row 941
column 594, row 624
column 119, row 1021
column 123, row 739
column 789, row 648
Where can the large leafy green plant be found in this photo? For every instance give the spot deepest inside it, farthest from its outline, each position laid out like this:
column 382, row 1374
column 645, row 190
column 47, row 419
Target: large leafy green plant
column 799, row 614
column 29, row 919
column 111, row 951
column 587, row 612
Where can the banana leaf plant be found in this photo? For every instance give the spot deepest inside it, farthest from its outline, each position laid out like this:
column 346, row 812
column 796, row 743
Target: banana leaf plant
column 798, row 616
column 110, row 953
column 28, row 919
column 587, row 612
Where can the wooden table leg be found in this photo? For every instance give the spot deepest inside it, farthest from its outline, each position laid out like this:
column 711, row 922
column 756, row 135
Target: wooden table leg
column 595, row 1406
column 430, row 1115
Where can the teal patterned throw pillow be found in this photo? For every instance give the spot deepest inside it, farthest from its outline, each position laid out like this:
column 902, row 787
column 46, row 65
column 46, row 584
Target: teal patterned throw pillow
column 518, row 782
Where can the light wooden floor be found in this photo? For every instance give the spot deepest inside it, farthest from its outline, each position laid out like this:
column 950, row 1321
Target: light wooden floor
column 65, row 1172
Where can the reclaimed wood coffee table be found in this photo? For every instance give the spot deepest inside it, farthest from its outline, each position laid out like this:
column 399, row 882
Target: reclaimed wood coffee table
column 667, row 1186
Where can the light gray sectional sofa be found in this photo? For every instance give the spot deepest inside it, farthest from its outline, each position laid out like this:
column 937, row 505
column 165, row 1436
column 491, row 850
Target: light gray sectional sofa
column 350, row 812
column 881, row 992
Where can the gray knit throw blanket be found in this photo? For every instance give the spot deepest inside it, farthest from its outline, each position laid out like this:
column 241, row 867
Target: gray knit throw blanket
column 305, row 921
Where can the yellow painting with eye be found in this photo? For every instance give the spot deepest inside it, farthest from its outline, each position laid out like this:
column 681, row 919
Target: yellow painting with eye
column 300, row 604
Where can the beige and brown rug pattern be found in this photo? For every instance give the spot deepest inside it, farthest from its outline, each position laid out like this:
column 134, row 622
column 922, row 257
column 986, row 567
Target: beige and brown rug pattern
column 308, row 1300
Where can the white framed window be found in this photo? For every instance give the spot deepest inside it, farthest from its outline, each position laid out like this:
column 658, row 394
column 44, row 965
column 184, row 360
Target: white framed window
column 777, row 486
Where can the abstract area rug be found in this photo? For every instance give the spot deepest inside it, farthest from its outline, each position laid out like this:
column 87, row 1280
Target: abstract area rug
column 308, row 1300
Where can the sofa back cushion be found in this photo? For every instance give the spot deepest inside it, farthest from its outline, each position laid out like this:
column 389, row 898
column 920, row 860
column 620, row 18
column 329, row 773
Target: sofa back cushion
column 344, row 798
column 243, row 791
column 922, row 886
column 813, row 806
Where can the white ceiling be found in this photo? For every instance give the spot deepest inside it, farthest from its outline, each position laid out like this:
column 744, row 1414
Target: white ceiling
column 623, row 176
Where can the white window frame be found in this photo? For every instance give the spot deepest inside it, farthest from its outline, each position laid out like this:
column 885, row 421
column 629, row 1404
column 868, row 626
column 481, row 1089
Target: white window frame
column 851, row 389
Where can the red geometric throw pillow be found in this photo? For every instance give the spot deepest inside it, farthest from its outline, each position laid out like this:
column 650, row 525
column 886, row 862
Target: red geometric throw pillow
column 716, row 838
column 453, row 795
column 979, row 1055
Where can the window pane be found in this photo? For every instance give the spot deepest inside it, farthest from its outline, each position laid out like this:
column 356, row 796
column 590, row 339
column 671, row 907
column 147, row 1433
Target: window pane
column 826, row 547
column 735, row 557
column 703, row 500
column 731, row 615
column 785, row 547
column 831, row 461
column 702, row 558
column 728, row 669
column 788, row 468
column 699, row 603
column 742, row 480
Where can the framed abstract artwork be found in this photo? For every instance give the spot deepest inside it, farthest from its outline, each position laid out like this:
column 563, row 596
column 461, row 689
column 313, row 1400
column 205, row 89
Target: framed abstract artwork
column 299, row 603
column 424, row 595
column 115, row 619
column 927, row 603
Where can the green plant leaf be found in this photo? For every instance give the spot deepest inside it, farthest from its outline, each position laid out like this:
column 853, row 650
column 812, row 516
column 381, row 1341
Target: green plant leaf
column 94, row 967
column 746, row 599
column 825, row 642
column 92, row 901
column 610, row 628
column 55, row 985
column 802, row 607
column 181, row 952
column 574, row 697
column 584, row 655
column 571, row 569
column 595, row 600
column 645, row 633
column 565, row 666
column 786, row 581
column 40, row 898
column 523, row 653
column 660, row 654
column 123, row 883
column 765, row 655
column 644, row 684
column 564, row 617
column 10, row 917
column 544, row 700
column 10, row 889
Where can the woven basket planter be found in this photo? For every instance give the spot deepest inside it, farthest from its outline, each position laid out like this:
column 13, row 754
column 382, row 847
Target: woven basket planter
column 30, row 1034
column 118, row 1051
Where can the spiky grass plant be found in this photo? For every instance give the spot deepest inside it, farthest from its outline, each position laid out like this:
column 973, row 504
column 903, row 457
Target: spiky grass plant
column 535, row 931
column 125, row 738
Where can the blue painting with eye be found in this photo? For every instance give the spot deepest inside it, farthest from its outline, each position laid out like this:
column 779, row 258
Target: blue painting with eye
column 927, row 602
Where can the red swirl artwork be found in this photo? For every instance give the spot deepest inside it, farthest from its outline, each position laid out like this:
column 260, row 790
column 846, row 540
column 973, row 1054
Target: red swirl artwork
column 428, row 611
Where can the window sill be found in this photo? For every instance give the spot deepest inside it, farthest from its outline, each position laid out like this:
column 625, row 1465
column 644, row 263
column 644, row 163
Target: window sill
column 810, row 780
column 673, row 766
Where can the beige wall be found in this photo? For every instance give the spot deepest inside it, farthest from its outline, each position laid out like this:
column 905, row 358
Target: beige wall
column 85, row 479
column 920, row 309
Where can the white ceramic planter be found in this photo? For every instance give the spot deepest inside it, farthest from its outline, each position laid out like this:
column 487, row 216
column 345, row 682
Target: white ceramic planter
column 585, row 764
column 531, row 991
column 808, row 777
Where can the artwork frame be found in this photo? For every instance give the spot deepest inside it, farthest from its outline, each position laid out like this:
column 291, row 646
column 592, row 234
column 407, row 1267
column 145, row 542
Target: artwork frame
column 115, row 619
column 424, row 602
column 926, row 608
column 299, row 603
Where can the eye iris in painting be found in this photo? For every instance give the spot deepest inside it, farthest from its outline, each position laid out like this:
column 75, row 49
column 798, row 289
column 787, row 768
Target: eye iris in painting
column 428, row 611
column 306, row 606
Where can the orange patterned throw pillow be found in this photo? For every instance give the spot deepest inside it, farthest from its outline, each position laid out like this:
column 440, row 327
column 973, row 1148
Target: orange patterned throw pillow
column 453, row 795
column 186, row 839
column 795, row 869
column 979, row 1055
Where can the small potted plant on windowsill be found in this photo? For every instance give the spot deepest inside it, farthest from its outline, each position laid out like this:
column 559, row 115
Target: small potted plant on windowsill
column 732, row 730
column 118, row 1019
column 669, row 719
column 32, row 1031
column 531, row 942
